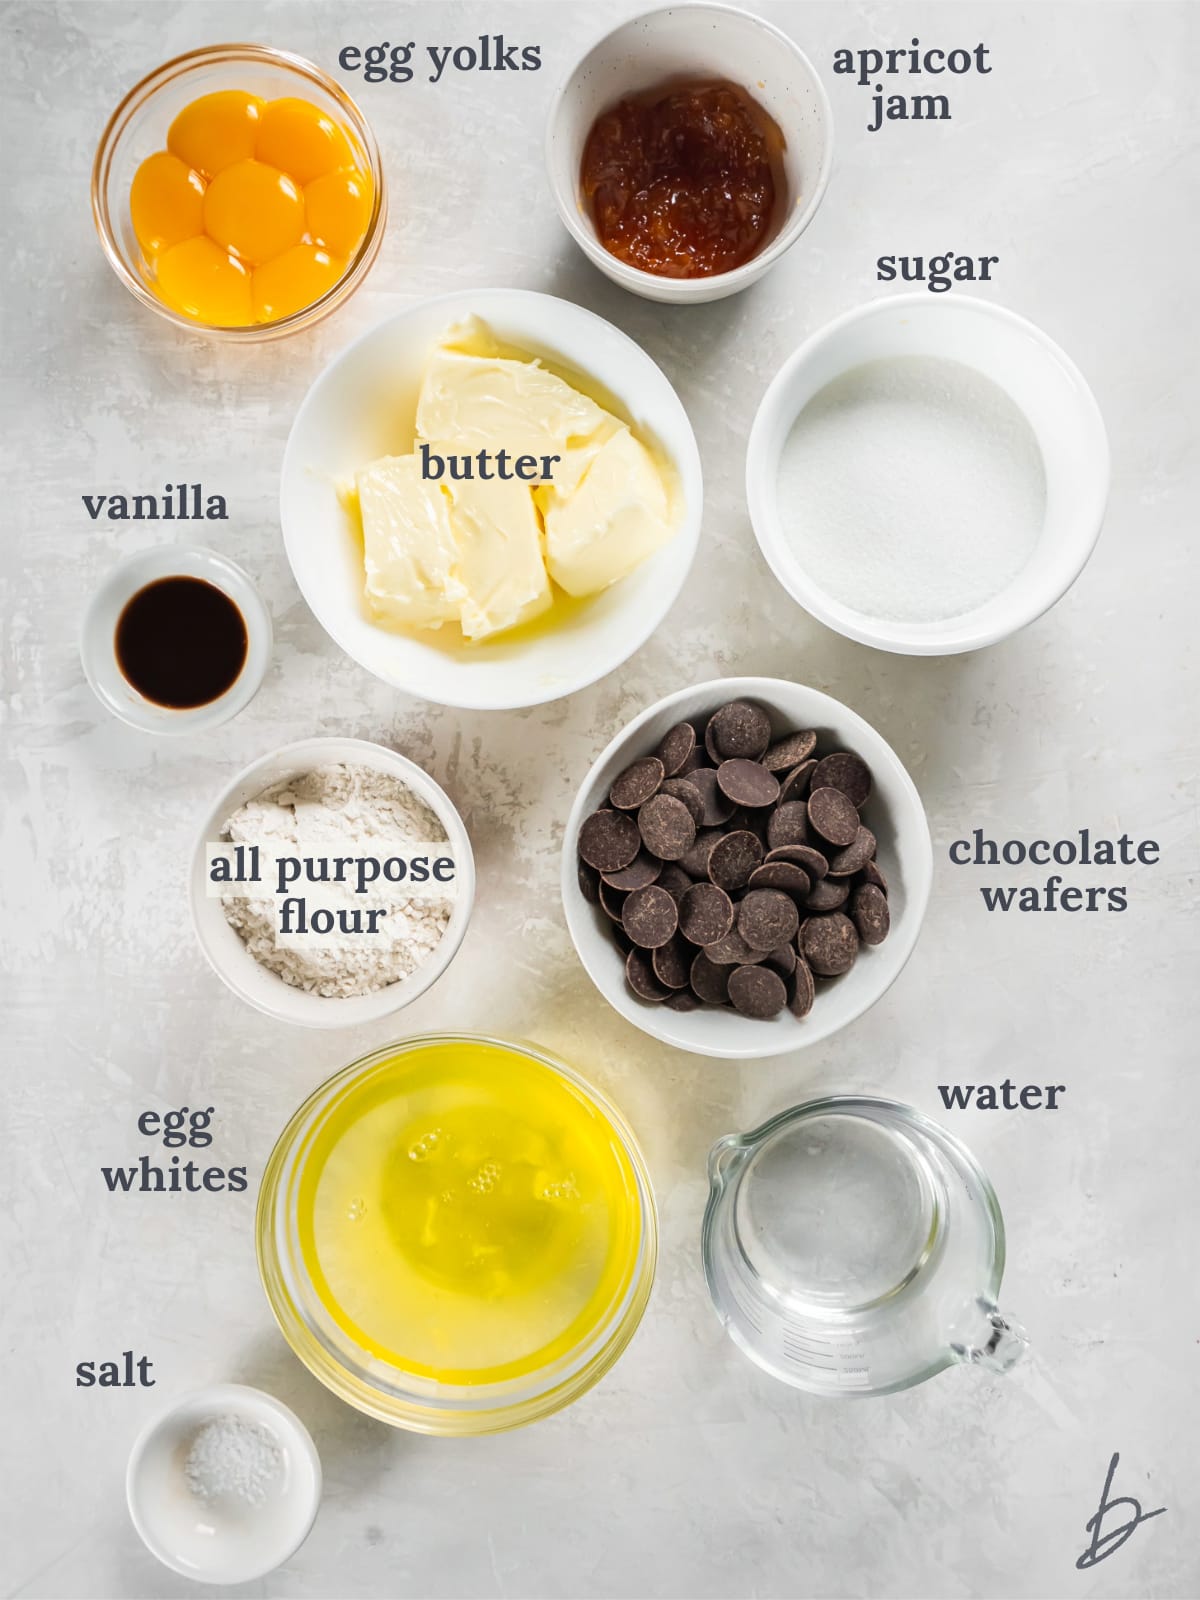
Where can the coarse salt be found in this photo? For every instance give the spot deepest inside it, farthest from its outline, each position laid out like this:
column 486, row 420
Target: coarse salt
column 912, row 489
column 233, row 1456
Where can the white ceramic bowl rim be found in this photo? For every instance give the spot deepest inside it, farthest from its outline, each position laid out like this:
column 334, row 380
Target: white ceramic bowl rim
column 704, row 1032
column 605, row 640
column 996, row 618
column 231, row 960
column 97, row 648
column 635, row 277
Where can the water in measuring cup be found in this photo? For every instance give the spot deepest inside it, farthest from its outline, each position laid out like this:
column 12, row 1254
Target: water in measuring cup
column 852, row 1246
column 835, row 1214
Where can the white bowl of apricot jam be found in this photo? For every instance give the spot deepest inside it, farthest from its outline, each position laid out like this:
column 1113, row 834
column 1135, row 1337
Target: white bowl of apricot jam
column 689, row 150
column 238, row 191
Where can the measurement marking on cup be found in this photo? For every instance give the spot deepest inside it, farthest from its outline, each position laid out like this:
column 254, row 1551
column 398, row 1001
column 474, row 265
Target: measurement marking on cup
column 830, row 1336
column 812, row 1346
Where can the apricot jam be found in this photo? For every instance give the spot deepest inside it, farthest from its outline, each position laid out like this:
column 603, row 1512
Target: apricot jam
column 683, row 181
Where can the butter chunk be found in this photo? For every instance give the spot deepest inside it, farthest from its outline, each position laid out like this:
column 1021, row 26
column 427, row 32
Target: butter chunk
column 409, row 549
column 499, row 567
column 617, row 516
column 575, row 461
column 500, row 404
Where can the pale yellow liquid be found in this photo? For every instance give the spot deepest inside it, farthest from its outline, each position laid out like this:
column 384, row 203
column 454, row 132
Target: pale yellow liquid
column 467, row 1214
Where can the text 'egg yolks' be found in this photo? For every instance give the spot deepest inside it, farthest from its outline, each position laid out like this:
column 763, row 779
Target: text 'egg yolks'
column 255, row 211
column 200, row 279
column 302, row 140
column 216, row 130
column 338, row 207
column 294, row 280
column 166, row 203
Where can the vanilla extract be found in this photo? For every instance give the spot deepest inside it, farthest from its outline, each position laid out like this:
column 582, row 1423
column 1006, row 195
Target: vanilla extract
column 181, row 642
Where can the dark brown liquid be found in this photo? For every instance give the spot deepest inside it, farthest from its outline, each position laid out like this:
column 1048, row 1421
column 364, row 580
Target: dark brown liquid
column 181, row 642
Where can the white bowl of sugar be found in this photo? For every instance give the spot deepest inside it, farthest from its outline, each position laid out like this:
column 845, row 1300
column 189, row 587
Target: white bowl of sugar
column 927, row 476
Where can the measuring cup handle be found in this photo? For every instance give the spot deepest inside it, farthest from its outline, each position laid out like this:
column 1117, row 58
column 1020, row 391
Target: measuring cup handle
column 720, row 1157
column 994, row 1341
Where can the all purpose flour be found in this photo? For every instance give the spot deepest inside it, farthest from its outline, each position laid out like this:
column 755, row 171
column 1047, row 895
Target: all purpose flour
column 331, row 812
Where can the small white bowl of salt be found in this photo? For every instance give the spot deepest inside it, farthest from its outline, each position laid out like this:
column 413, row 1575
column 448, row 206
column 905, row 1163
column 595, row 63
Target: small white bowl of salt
column 224, row 1486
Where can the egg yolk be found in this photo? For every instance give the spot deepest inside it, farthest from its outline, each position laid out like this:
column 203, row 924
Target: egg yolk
column 166, row 203
column 294, row 280
column 300, row 138
column 253, row 211
column 216, row 130
column 338, row 207
column 203, row 281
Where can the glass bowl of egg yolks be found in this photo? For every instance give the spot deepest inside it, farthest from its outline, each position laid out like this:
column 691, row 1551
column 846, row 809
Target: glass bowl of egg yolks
column 238, row 191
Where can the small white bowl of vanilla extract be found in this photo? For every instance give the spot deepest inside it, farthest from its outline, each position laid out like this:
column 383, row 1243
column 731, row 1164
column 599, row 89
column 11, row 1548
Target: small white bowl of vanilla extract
column 176, row 640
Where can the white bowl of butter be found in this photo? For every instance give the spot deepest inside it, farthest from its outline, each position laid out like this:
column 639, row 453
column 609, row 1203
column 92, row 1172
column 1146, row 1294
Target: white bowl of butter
column 492, row 499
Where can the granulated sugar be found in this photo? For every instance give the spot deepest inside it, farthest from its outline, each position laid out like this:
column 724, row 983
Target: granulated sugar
column 912, row 489
column 233, row 1456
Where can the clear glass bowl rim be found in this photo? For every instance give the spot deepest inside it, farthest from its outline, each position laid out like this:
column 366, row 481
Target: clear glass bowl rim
column 468, row 1415
column 217, row 55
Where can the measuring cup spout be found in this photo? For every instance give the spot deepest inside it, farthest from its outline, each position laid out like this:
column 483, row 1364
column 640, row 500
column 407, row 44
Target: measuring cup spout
column 988, row 1339
column 721, row 1157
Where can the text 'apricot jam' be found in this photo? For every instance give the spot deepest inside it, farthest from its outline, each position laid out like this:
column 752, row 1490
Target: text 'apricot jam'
column 683, row 180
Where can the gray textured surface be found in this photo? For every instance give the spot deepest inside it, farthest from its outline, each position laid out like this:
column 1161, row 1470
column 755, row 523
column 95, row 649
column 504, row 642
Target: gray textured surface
column 685, row 1472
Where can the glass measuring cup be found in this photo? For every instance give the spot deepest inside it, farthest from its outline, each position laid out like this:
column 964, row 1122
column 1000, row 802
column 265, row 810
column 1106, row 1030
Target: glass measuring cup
column 853, row 1247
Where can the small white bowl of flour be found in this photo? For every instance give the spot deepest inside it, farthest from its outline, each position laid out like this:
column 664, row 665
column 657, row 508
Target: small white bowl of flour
column 927, row 475
column 341, row 943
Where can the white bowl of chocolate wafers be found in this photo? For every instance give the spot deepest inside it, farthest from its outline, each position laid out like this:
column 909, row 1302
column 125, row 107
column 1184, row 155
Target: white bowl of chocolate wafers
column 746, row 868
